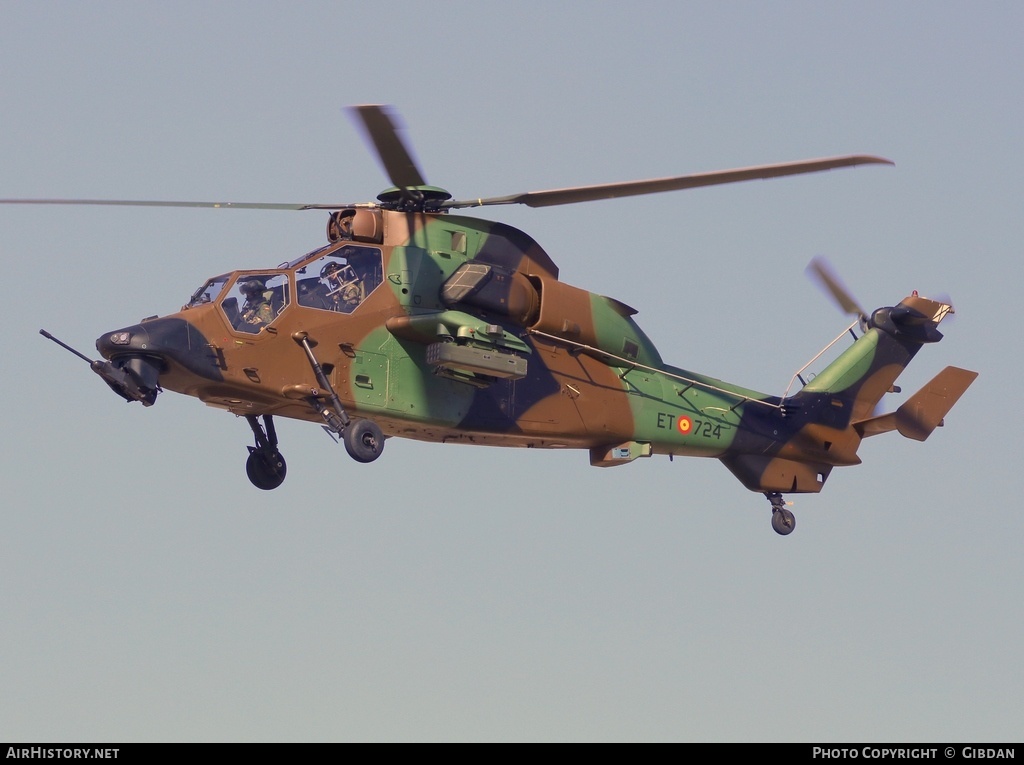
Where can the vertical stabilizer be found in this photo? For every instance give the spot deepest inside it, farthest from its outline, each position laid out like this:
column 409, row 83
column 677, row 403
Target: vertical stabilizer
column 865, row 371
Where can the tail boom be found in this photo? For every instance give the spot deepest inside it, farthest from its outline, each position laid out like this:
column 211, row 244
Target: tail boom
column 823, row 425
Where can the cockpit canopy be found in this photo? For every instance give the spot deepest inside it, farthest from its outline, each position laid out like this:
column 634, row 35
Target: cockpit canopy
column 255, row 300
column 334, row 279
column 339, row 280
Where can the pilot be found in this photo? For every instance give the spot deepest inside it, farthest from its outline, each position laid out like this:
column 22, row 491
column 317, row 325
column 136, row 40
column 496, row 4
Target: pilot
column 256, row 311
column 344, row 287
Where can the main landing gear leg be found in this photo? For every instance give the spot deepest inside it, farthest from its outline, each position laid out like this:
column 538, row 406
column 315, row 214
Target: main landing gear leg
column 783, row 521
column 265, row 467
column 363, row 439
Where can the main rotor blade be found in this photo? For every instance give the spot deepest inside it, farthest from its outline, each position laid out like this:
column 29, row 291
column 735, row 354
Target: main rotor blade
column 382, row 131
column 154, row 203
column 819, row 270
column 676, row 183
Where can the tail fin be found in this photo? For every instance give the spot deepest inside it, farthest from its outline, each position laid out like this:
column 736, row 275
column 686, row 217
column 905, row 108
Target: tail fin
column 922, row 412
column 865, row 371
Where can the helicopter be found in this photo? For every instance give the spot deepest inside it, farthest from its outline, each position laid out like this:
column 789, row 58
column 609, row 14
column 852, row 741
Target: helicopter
column 413, row 321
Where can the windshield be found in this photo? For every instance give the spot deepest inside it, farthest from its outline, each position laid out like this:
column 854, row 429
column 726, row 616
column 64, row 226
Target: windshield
column 209, row 291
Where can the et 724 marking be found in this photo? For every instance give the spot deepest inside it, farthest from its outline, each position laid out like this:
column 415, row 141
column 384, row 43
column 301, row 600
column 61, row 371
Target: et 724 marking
column 688, row 426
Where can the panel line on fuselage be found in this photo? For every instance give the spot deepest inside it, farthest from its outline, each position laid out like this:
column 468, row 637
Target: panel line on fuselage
column 632, row 364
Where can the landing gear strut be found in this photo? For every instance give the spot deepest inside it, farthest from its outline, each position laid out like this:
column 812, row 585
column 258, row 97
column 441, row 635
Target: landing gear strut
column 363, row 439
column 265, row 466
column 783, row 520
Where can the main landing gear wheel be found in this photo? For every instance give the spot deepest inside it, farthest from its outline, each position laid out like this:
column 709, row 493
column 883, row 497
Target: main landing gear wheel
column 783, row 521
column 364, row 440
column 265, row 465
column 266, row 469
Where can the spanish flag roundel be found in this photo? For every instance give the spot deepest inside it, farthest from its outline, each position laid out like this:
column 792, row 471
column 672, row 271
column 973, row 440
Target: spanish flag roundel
column 685, row 425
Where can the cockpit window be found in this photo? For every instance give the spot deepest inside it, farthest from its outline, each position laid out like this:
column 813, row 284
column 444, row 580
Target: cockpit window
column 208, row 292
column 255, row 300
column 341, row 280
column 301, row 258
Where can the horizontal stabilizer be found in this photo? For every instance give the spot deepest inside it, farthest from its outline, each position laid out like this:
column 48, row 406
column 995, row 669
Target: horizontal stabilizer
column 922, row 412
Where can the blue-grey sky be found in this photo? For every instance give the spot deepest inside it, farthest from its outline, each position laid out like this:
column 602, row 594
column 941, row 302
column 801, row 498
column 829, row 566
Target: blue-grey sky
column 149, row 592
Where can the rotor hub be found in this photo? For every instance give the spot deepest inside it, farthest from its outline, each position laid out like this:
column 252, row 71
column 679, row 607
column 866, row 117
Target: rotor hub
column 413, row 198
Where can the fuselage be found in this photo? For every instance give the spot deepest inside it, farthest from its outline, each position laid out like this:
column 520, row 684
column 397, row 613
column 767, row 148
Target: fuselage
column 450, row 329
column 441, row 328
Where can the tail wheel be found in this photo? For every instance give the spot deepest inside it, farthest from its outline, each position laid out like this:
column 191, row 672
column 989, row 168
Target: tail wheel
column 783, row 521
column 364, row 440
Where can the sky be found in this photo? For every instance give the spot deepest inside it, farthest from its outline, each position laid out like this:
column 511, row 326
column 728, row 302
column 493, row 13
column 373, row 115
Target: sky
column 452, row 593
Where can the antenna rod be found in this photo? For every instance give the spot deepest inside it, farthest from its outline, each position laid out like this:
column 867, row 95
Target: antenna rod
column 65, row 346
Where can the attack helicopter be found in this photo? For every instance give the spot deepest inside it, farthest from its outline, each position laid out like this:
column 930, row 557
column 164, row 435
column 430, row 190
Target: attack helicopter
column 416, row 322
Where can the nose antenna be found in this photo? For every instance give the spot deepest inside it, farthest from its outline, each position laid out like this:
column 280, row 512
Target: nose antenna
column 120, row 381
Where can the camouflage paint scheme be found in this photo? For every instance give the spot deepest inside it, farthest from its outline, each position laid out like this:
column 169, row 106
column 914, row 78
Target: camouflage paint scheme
column 419, row 323
column 591, row 379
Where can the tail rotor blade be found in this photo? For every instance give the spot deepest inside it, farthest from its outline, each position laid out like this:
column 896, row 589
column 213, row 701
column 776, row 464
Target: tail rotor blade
column 821, row 272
